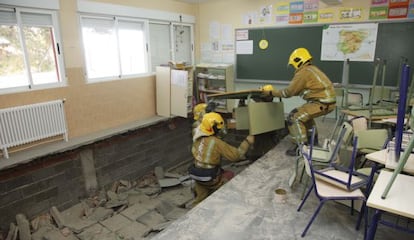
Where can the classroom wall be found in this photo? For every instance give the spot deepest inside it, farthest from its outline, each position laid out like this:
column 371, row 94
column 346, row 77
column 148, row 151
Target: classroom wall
column 233, row 12
column 95, row 107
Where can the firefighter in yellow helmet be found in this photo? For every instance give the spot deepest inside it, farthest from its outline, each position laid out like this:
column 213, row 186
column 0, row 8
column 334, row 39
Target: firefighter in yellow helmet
column 315, row 88
column 198, row 112
column 208, row 149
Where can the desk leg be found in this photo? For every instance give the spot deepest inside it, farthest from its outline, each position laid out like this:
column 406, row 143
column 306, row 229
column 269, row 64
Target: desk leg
column 373, row 226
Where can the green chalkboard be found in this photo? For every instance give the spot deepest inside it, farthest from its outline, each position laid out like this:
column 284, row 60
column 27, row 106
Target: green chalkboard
column 395, row 41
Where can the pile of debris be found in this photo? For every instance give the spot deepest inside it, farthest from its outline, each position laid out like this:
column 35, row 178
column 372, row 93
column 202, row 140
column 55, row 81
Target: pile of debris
column 129, row 210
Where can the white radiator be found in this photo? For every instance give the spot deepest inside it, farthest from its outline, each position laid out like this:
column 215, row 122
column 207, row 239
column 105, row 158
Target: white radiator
column 29, row 123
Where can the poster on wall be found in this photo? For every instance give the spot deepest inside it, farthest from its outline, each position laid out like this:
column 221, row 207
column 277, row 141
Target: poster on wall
column 355, row 42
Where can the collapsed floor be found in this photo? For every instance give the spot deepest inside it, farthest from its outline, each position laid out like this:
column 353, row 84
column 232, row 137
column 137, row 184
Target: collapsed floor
column 130, row 209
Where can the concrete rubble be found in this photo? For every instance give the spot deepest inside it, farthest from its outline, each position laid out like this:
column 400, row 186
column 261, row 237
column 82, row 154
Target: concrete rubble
column 130, row 210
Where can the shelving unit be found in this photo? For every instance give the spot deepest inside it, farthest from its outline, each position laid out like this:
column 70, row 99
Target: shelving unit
column 212, row 79
column 174, row 90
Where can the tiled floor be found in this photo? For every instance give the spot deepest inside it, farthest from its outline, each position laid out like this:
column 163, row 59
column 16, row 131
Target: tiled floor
column 247, row 207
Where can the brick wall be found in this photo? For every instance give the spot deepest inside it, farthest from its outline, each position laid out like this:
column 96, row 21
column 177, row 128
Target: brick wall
column 58, row 180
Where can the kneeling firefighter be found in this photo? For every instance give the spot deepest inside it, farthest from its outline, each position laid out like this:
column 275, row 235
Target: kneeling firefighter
column 208, row 149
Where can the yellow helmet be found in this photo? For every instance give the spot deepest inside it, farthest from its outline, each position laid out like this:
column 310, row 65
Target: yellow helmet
column 212, row 122
column 267, row 88
column 299, row 57
column 199, row 110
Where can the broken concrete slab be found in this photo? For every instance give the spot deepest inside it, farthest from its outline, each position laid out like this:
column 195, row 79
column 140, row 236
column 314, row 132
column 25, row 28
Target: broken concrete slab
column 184, row 178
column 161, row 226
column 135, row 211
column 57, row 217
column 151, row 191
column 38, row 235
column 172, row 175
column 164, row 207
column 53, row 233
column 116, row 200
column 175, row 214
column 100, row 214
column 168, row 182
column 56, row 234
column 94, row 232
column 75, row 220
column 41, row 221
column 24, row 227
column 147, row 180
column 133, row 231
column 170, row 211
column 188, row 183
column 103, row 236
column 115, row 203
column 151, row 218
column 151, row 204
column 137, row 197
column 12, row 234
column 178, row 196
column 111, row 195
column 115, row 222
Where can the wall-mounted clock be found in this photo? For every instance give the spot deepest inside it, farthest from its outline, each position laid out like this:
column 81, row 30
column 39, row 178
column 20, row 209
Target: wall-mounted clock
column 263, row 44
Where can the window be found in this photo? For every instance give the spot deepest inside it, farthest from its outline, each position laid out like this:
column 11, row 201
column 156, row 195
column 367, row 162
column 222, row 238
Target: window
column 114, row 47
column 30, row 54
column 160, row 42
column 123, row 42
column 183, row 48
column 170, row 42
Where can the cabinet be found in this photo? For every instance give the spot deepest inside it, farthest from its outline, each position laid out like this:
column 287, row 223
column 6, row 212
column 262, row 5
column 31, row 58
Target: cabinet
column 212, row 79
column 174, row 90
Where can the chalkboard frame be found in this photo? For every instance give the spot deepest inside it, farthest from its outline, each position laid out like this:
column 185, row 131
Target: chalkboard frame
column 395, row 42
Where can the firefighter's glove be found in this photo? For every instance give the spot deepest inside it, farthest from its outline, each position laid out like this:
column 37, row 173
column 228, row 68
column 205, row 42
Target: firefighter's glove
column 268, row 90
column 250, row 140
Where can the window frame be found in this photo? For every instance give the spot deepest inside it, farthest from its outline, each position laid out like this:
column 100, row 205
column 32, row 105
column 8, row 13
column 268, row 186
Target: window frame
column 151, row 16
column 59, row 56
column 116, row 30
column 173, row 39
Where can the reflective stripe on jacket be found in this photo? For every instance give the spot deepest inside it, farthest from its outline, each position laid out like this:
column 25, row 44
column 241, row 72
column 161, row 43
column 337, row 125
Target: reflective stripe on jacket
column 310, row 83
column 208, row 151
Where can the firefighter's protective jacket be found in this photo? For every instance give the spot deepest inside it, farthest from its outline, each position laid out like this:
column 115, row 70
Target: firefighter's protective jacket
column 208, row 150
column 311, row 84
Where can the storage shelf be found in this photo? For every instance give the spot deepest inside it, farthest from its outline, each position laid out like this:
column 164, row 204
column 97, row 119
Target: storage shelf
column 213, row 79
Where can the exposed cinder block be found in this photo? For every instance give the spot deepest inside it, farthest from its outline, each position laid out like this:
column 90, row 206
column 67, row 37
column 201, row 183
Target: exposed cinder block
column 8, row 197
column 59, row 180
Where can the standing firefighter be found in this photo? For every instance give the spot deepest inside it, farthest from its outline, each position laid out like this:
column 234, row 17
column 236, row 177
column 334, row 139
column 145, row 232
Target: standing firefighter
column 315, row 88
column 208, row 149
